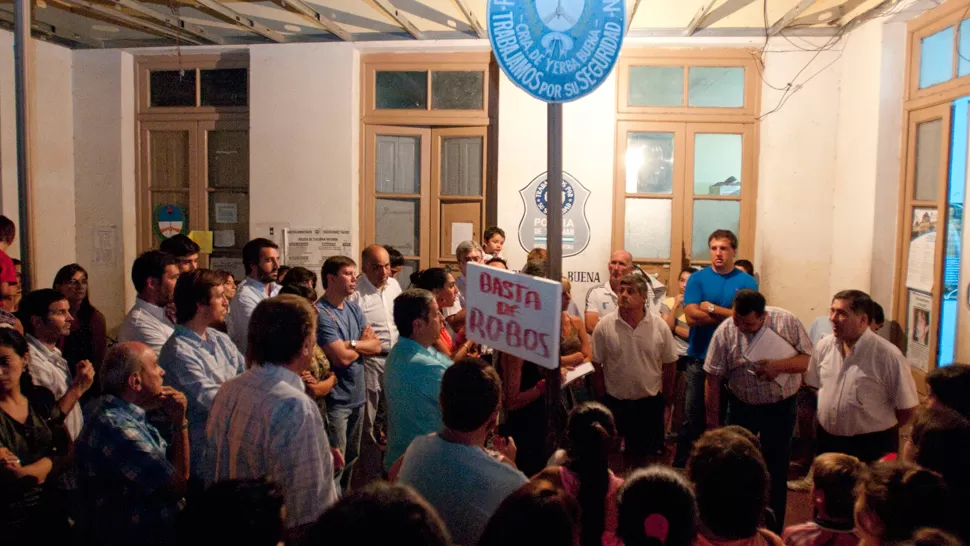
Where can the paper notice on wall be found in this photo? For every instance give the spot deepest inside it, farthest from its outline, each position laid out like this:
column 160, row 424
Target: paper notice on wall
column 918, row 329
column 227, row 213
column 232, row 265
column 224, row 238
column 104, row 244
column 272, row 231
column 922, row 250
column 460, row 232
column 311, row 247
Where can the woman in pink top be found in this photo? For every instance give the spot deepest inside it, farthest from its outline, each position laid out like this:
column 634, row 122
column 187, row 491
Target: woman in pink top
column 586, row 476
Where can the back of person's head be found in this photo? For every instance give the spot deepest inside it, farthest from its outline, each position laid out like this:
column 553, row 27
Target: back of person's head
column 591, row 437
column 7, row 230
column 898, row 498
column 243, row 512
column 470, row 394
column 538, row 254
column 396, row 258
column 950, row 385
column 192, row 289
column 279, row 329
column 433, row 278
column 150, row 265
column 836, row 476
column 933, row 537
column 301, row 275
column 749, row 301
column 36, row 304
column 744, row 433
column 378, row 515
column 536, row 513
column 656, row 507
column 941, row 440
column 497, row 260
column 745, row 265
column 878, row 314
column 536, row 268
column 301, row 290
column 730, row 479
column 250, row 253
column 179, row 246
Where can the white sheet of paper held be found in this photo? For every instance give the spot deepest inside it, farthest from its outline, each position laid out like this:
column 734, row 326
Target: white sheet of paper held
column 768, row 345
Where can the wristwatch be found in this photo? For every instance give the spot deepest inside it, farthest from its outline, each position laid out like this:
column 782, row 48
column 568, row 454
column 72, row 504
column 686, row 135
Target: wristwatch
column 710, row 308
column 353, row 344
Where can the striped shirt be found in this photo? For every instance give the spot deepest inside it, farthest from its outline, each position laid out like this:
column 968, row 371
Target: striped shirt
column 264, row 424
column 198, row 367
column 725, row 357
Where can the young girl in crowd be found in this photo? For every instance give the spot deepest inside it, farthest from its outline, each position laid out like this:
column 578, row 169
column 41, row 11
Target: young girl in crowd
column 539, row 512
column 834, row 479
column 897, row 499
column 656, row 507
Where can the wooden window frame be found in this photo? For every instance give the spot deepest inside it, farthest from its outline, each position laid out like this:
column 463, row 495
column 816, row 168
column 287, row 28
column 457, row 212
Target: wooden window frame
column 951, row 13
column 146, row 64
column 423, row 62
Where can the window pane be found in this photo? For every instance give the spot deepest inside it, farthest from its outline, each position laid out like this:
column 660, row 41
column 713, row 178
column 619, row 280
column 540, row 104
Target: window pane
column 229, row 219
column 167, row 220
column 716, row 86
column 963, row 49
column 226, row 87
column 169, row 156
column 402, row 90
column 172, row 88
column 717, row 164
column 228, row 159
column 710, row 216
column 398, row 224
column 647, row 231
column 928, row 142
column 404, row 277
column 458, row 90
column 650, row 163
column 656, row 86
column 398, row 167
column 461, row 166
column 936, row 58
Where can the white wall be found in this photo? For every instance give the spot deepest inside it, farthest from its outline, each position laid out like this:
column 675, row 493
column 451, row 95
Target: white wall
column 52, row 161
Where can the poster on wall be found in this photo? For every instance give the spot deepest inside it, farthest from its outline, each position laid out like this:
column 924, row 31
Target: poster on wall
column 922, row 250
column 918, row 329
column 310, row 247
column 230, row 264
column 575, row 226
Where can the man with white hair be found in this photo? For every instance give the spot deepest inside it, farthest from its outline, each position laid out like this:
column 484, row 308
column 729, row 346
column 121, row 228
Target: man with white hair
column 467, row 251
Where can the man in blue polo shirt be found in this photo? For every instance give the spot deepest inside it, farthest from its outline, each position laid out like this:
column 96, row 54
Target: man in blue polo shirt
column 346, row 339
column 412, row 378
column 707, row 302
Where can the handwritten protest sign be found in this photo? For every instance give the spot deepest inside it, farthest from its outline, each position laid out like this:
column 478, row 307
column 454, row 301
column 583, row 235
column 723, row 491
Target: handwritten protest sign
column 514, row 313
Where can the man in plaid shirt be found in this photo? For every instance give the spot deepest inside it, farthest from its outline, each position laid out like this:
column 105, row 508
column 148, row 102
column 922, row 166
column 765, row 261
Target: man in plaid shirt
column 131, row 491
column 761, row 395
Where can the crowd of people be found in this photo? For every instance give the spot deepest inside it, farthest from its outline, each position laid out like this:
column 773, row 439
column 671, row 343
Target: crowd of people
column 253, row 413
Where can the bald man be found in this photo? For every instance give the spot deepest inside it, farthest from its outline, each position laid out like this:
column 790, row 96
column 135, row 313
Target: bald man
column 131, row 491
column 601, row 300
column 376, row 290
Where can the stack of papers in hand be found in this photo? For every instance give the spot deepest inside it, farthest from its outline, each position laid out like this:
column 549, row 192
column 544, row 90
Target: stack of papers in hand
column 768, row 345
column 582, row 370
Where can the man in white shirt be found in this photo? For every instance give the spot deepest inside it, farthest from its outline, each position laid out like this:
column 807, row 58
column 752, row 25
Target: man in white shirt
column 154, row 275
column 601, row 300
column 261, row 258
column 375, row 294
column 635, row 358
column 263, row 424
column 866, row 389
column 46, row 316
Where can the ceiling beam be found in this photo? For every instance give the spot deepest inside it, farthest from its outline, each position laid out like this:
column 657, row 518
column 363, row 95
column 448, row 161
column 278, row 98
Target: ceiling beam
column 117, row 16
column 831, row 15
column 50, row 31
column 722, row 11
column 318, row 19
column 847, row 25
column 241, row 20
column 633, row 13
column 175, row 21
column 699, row 17
column 466, row 10
column 401, row 19
column 792, row 14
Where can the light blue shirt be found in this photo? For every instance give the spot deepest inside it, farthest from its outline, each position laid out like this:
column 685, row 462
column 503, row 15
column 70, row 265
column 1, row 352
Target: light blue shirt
column 198, row 367
column 264, row 425
column 248, row 296
column 412, row 382
column 464, row 483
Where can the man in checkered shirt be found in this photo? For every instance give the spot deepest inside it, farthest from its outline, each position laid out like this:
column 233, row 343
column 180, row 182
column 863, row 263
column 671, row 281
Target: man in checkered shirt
column 761, row 395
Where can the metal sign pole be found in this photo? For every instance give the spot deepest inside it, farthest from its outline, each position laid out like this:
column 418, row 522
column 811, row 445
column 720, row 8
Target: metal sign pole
column 554, row 246
column 22, row 69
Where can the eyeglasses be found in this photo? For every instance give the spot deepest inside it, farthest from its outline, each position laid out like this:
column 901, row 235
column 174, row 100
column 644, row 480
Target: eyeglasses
column 75, row 283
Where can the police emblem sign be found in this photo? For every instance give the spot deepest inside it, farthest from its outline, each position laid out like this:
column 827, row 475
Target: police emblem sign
column 556, row 50
column 533, row 227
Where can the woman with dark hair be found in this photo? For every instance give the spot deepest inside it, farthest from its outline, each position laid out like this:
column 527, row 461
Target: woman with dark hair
column 88, row 339
column 656, row 507
column 32, row 442
column 586, row 475
column 897, row 499
column 229, row 291
column 441, row 284
column 302, row 275
column 539, row 512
